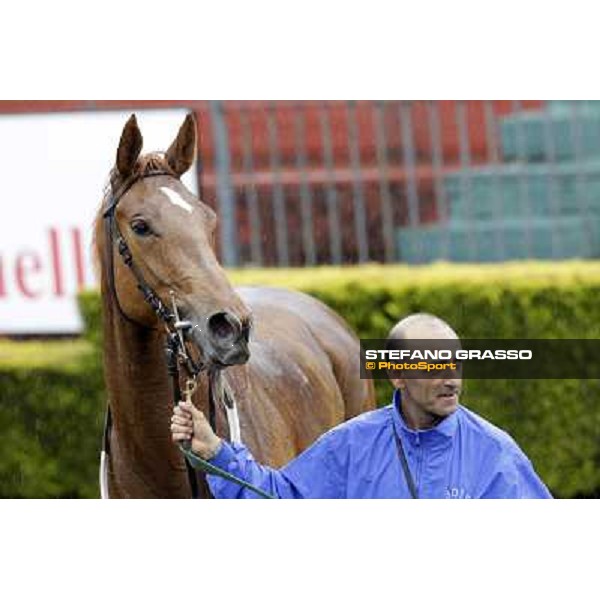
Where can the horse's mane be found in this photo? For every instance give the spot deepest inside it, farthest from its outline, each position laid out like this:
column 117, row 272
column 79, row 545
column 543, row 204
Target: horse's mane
column 154, row 162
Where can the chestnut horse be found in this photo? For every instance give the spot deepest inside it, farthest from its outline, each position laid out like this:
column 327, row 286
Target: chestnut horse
column 290, row 363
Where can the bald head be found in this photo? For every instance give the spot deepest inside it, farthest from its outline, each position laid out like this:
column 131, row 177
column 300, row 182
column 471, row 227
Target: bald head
column 422, row 326
column 426, row 398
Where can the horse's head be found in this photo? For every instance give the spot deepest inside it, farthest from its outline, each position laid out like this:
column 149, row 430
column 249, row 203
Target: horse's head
column 171, row 236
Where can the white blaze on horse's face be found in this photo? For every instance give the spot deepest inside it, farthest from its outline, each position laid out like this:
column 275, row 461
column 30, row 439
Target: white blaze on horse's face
column 176, row 199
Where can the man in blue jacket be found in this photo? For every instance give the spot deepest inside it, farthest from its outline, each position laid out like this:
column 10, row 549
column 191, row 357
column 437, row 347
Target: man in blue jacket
column 423, row 445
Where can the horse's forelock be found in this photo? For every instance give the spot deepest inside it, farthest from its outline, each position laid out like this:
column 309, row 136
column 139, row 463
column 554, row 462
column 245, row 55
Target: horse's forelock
column 154, row 162
column 146, row 165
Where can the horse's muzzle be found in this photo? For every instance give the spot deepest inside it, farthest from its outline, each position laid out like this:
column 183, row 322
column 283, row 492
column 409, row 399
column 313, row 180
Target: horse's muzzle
column 226, row 339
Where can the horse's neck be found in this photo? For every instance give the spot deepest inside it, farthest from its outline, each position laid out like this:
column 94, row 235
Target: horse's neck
column 144, row 461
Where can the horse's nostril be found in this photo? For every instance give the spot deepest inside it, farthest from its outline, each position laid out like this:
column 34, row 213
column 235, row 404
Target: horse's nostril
column 246, row 333
column 246, row 325
column 224, row 327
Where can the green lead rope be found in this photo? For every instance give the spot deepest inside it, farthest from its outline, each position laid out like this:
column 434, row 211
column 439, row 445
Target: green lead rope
column 203, row 465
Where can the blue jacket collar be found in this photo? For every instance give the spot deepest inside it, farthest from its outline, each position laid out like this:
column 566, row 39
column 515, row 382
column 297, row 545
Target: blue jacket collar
column 445, row 428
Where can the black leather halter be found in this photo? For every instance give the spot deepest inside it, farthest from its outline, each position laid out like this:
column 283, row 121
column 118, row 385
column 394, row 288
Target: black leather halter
column 175, row 348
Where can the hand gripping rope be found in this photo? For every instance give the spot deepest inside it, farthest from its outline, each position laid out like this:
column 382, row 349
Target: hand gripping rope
column 215, row 390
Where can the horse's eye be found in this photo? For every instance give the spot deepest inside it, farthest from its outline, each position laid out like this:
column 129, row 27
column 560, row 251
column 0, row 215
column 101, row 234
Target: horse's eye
column 140, row 227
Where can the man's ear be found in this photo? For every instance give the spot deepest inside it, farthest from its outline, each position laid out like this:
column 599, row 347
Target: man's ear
column 181, row 152
column 130, row 147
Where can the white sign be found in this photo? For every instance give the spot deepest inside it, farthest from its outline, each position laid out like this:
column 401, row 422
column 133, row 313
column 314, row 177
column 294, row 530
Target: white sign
column 53, row 171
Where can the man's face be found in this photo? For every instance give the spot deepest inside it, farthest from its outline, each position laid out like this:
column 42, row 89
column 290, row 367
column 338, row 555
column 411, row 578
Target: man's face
column 436, row 397
column 437, row 394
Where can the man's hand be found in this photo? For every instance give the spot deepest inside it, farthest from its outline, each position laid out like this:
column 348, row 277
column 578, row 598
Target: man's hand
column 189, row 423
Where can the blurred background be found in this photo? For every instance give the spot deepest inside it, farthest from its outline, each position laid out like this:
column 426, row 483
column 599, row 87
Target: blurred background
column 486, row 213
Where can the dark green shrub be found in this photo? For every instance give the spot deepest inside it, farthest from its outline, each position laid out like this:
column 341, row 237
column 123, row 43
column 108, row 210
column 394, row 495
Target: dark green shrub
column 50, row 424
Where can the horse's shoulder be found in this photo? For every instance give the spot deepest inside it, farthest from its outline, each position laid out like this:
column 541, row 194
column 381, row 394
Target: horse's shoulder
column 268, row 302
column 270, row 295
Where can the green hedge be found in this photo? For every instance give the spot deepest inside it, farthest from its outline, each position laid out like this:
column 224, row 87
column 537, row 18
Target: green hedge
column 51, row 403
column 55, row 422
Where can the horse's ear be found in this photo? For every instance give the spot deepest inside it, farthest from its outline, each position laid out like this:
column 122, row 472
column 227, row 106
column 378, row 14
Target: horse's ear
column 130, row 147
column 180, row 154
